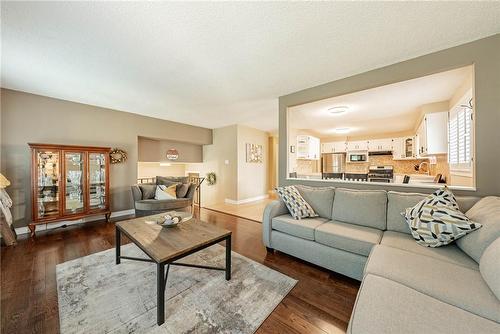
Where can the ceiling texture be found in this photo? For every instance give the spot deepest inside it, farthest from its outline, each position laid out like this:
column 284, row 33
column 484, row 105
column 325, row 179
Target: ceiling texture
column 214, row 64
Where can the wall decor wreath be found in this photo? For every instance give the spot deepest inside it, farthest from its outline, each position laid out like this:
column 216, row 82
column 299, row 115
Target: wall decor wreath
column 211, row 178
column 117, row 156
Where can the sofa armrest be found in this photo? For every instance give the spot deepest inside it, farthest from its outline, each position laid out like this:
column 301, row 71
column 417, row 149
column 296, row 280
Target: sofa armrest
column 136, row 193
column 273, row 209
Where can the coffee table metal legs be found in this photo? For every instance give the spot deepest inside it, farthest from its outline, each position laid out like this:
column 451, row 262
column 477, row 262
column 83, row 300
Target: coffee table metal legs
column 228, row 258
column 117, row 244
column 160, row 293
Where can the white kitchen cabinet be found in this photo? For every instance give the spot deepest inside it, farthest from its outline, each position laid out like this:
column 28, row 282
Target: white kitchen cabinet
column 403, row 148
column 333, row 147
column 339, row 146
column 432, row 134
column 327, row 148
column 359, row 145
column 308, row 147
column 378, row 145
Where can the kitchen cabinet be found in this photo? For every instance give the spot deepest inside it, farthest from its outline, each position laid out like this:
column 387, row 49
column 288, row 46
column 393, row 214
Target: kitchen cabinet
column 308, row 147
column 403, row 148
column 432, row 134
column 378, row 145
column 360, row 145
column 333, row 147
column 339, row 146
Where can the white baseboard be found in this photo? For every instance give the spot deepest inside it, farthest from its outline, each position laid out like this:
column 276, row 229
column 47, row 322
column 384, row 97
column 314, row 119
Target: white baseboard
column 246, row 200
column 50, row 226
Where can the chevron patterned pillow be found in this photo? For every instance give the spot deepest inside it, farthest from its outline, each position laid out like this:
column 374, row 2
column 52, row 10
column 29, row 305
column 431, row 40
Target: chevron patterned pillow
column 295, row 203
column 437, row 220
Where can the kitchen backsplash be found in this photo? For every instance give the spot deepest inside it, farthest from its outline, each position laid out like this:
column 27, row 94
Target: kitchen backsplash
column 308, row 166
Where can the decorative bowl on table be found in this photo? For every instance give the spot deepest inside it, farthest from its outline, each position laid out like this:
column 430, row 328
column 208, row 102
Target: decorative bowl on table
column 172, row 219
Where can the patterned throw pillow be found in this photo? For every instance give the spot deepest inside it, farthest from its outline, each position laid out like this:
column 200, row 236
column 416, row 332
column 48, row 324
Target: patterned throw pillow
column 165, row 192
column 295, row 203
column 437, row 220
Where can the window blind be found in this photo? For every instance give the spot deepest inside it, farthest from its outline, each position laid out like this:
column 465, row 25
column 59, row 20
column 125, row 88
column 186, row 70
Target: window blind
column 459, row 138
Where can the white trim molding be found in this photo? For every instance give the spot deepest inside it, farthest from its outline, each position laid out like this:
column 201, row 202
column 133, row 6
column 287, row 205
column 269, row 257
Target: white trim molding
column 50, row 226
column 246, row 200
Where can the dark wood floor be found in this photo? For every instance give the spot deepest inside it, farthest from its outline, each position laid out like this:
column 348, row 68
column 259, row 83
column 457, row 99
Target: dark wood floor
column 321, row 302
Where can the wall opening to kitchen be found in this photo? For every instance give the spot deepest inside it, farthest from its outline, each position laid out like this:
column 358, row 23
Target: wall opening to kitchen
column 415, row 133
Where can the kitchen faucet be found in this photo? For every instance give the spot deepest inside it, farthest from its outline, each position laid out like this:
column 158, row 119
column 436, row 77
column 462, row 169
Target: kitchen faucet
column 428, row 172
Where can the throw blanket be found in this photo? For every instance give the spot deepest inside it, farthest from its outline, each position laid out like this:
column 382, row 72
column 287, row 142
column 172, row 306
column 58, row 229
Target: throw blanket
column 5, row 205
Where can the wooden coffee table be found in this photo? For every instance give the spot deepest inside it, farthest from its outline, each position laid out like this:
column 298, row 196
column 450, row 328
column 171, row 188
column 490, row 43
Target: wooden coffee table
column 166, row 245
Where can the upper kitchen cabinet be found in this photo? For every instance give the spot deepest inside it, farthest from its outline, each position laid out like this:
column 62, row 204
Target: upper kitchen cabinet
column 379, row 145
column 359, row 145
column 308, row 147
column 333, row 147
column 403, row 148
column 432, row 134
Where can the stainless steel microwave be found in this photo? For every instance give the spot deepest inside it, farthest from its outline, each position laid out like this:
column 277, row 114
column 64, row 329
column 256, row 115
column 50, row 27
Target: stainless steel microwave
column 357, row 156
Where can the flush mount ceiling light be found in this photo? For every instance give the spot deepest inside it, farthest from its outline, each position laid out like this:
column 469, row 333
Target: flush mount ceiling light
column 341, row 130
column 338, row 110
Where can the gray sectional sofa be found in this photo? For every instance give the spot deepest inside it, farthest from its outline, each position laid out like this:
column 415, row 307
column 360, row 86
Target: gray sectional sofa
column 406, row 288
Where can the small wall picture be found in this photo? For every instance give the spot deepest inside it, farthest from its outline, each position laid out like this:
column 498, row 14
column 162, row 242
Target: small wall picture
column 254, row 153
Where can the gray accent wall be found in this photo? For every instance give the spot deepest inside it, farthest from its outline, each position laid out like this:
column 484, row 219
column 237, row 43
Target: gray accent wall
column 483, row 53
column 33, row 118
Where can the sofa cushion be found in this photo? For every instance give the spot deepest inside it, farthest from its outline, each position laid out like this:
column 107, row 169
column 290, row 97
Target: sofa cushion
column 487, row 213
column 296, row 204
column 148, row 190
column 385, row 306
column 182, row 189
column 303, row 228
column 450, row 253
column 453, row 284
column 164, row 204
column 490, row 267
column 437, row 220
column 166, row 192
column 360, row 207
column 398, row 202
column 349, row 237
column 320, row 199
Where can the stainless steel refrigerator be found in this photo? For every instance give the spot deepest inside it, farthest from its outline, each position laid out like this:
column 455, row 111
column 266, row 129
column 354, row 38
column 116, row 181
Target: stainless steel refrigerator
column 332, row 163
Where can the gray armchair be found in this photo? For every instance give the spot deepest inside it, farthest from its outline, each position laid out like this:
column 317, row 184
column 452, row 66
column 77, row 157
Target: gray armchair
column 145, row 204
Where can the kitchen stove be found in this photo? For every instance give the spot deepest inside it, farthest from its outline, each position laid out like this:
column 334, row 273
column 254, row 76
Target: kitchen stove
column 381, row 174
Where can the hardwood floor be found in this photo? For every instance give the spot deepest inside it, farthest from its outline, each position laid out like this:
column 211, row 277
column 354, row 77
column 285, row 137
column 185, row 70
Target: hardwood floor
column 321, row 302
column 251, row 211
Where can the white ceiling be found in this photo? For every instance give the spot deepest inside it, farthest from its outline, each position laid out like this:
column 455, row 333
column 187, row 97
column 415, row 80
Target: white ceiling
column 386, row 109
column 218, row 63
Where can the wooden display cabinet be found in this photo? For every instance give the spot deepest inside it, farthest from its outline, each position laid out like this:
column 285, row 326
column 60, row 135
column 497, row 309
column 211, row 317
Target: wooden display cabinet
column 68, row 183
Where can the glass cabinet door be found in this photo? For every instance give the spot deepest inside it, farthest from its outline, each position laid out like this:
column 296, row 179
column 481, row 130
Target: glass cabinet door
column 97, row 181
column 47, row 178
column 74, row 177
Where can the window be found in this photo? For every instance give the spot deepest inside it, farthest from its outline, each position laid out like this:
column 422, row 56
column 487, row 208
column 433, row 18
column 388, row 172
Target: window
column 460, row 137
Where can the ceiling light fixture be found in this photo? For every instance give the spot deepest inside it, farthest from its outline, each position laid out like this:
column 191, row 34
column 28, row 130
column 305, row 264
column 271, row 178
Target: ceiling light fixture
column 338, row 110
column 342, row 130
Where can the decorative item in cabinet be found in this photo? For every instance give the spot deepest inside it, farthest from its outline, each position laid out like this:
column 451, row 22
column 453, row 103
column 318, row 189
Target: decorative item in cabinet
column 68, row 183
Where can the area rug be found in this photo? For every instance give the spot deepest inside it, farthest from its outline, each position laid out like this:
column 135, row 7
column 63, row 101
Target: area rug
column 97, row 296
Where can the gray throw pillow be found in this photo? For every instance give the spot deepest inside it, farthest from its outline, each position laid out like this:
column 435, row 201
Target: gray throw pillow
column 148, row 190
column 182, row 189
